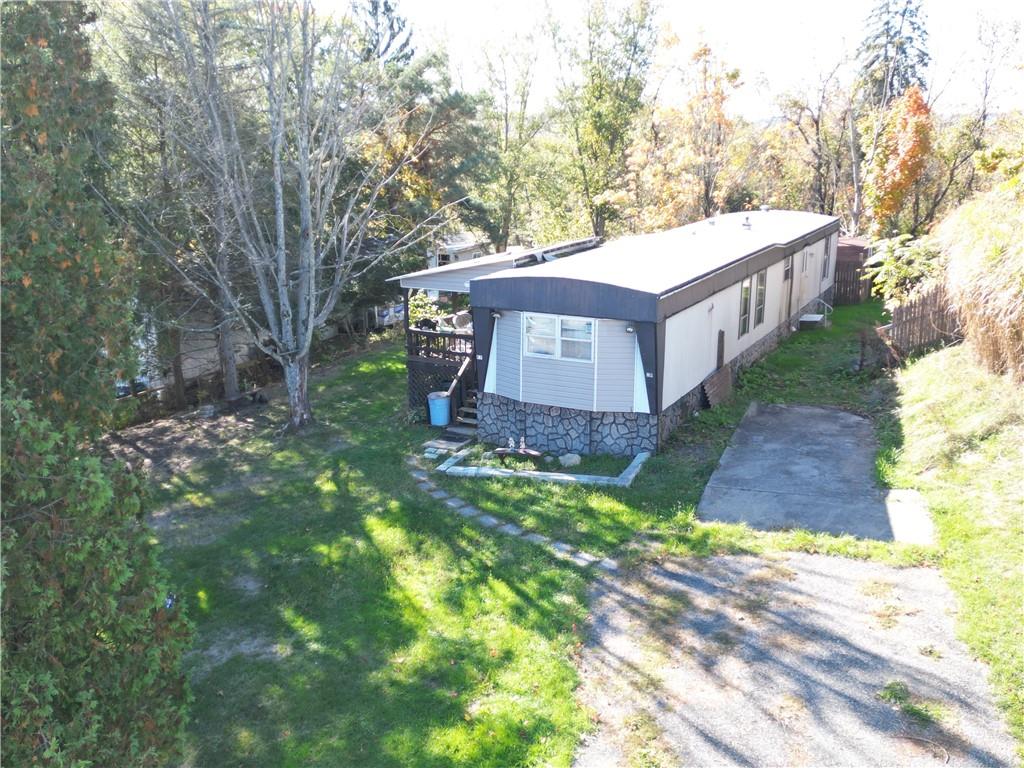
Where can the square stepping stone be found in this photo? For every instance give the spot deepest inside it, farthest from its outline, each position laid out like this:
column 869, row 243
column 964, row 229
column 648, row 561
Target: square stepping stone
column 584, row 558
column 419, row 474
column 439, row 494
column 561, row 548
column 510, row 529
column 455, row 502
column 487, row 521
column 468, row 511
column 608, row 565
column 537, row 538
column 426, row 486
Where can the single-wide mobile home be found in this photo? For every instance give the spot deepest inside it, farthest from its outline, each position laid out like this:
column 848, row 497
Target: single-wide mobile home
column 603, row 348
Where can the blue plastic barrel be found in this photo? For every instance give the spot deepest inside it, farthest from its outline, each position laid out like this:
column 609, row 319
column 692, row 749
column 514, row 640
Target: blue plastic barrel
column 440, row 408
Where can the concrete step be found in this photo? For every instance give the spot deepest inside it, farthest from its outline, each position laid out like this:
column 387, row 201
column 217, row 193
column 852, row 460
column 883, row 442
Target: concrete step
column 460, row 429
column 812, row 320
column 466, row 420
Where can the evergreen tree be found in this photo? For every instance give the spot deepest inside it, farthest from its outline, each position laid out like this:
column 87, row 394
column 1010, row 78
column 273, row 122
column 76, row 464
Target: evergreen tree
column 894, row 55
column 92, row 643
column 67, row 333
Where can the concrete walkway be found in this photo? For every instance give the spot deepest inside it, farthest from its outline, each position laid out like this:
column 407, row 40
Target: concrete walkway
column 797, row 660
column 795, row 466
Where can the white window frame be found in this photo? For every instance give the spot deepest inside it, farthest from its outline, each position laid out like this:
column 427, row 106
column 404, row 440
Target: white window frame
column 825, row 261
column 558, row 337
column 760, row 297
column 787, row 268
column 745, row 306
column 803, row 262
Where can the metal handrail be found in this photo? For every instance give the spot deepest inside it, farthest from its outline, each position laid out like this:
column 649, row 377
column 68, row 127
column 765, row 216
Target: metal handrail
column 825, row 304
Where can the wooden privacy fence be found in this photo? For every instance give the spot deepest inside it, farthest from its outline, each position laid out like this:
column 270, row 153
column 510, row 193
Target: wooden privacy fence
column 926, row 320
column 852, row 285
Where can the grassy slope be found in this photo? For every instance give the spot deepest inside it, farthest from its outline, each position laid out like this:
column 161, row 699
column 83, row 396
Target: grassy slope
column 414, row 640
column 963, row 448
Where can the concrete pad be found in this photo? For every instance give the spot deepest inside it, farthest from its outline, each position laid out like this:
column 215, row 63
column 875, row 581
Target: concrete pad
column 797, row 466
column 748, row 661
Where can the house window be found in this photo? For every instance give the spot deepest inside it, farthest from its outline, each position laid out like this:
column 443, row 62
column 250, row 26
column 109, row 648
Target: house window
column 745, row 306
column 762, row 285
column 787, row 268
column 824, row 263
column 564, row 338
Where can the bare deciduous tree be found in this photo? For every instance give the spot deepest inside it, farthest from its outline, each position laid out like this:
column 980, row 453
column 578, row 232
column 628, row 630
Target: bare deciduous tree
column 300, row 188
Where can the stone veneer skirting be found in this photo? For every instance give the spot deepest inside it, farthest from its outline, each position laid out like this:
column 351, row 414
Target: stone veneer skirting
column 569, row 430
column 564, row 430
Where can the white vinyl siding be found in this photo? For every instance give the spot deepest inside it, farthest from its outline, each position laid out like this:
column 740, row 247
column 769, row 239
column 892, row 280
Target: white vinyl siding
column 604, row 384
column 615, row 366
column 507, row 358
column 565, row 383
column 808, row 283
column 691, row 336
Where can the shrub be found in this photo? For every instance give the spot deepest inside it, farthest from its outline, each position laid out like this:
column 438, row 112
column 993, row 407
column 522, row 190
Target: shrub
column 91, row 648
column 902, row 266
column 982, row 242
column 421, row 307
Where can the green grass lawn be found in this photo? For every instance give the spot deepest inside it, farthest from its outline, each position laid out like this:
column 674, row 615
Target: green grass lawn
column 608, row 466
column 357, row 622
column 344, row 618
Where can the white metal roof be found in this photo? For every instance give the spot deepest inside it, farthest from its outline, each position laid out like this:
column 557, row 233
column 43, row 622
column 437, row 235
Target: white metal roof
column 455, row 277
column 662, row 261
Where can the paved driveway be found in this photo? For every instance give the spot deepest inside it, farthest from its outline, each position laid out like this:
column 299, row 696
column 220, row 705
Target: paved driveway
column 814, row 468
column 804, row 660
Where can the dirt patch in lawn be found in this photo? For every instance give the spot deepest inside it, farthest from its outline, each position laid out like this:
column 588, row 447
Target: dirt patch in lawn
column 227, row 646
column 180, row 525
column 742, row 660
column 173, row 445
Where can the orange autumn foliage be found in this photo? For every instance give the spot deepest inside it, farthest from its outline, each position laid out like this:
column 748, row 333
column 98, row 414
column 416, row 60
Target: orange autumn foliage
column 899, row 157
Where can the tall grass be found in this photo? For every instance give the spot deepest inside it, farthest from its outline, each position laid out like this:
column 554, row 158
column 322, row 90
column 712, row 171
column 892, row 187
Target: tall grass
column 983, row 241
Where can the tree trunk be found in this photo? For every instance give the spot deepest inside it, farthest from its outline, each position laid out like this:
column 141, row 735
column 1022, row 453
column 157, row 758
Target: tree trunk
column 225, row 346
column 177, row 370
column 296, row 379
column 857, row 207
column 228, row 366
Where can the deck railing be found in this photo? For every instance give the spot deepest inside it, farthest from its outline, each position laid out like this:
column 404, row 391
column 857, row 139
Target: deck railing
column 439, row 345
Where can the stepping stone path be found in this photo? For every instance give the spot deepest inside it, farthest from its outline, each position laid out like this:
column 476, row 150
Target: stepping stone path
column 558, row 548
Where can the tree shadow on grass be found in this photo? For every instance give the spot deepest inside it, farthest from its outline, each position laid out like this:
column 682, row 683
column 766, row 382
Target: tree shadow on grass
column 410, row 639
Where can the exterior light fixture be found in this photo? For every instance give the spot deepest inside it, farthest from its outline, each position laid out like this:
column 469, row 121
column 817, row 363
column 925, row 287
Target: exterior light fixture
column 630, row 329
column 496, row 315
